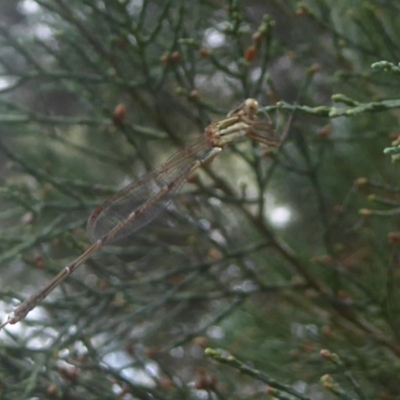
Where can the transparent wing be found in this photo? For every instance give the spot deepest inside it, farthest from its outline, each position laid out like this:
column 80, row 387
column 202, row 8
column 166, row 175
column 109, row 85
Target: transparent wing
column 160, row 185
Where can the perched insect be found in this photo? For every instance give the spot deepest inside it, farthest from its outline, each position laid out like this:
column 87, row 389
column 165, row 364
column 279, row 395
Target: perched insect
column 141, row 201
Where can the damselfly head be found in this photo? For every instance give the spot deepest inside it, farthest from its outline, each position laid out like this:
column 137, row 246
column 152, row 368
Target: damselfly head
column 262, row 131
column 250, row 107
column 247, row 109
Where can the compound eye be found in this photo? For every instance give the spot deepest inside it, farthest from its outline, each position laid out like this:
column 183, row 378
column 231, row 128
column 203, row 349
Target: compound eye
column 251, row 107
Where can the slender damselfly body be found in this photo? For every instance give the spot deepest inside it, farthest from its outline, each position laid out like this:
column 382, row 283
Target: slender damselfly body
column 141, row 201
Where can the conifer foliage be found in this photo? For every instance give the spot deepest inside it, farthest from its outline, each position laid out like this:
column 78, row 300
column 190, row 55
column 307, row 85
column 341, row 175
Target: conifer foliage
column 273, row 271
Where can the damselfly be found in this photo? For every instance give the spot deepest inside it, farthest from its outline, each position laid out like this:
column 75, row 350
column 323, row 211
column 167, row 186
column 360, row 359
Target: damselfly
column 140, row 202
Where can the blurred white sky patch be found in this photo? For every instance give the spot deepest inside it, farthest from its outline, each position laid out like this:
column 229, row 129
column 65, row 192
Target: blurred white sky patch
column 279, row 216
column 28, row 7
column 5, row 83
column 118, row 359
column 43, row 32
column 134, row 6
column 213, row 38
column 215, row 332
column 20, row 329
column 255, row 74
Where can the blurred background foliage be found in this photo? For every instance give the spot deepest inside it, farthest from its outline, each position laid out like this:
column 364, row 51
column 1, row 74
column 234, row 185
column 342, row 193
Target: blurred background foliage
column 269, row 255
